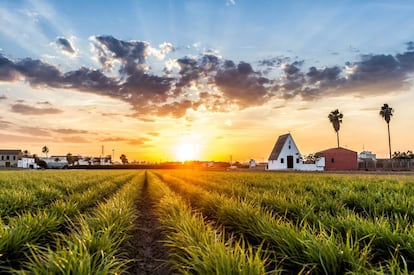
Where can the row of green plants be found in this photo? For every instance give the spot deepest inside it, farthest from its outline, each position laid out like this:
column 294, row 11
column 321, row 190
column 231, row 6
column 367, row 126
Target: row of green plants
column 39, row 226
column 93, row 243
column 321, row 242
column 198, row 246
column 369, row 196
column 28, row 190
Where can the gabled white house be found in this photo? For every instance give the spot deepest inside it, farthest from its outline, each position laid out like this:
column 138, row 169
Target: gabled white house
column 285, row 155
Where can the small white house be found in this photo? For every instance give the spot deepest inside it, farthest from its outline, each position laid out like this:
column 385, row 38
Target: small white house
column 27, row 163
column 286, row 156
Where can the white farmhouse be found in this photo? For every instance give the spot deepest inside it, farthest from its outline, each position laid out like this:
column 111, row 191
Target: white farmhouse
column 286, row 156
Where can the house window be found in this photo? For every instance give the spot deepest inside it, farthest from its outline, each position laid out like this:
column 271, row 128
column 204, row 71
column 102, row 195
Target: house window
column 282, row 160
column 14, row 157
column 290, row 147
column 297, row 160
column 332, row 160
column 2, row 157
column 7, row 157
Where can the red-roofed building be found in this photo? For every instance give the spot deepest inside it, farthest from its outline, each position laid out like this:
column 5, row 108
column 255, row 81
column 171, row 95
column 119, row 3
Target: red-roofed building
column 339, row 159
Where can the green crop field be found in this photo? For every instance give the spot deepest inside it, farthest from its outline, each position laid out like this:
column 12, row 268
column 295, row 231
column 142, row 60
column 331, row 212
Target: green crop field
column 203, row 222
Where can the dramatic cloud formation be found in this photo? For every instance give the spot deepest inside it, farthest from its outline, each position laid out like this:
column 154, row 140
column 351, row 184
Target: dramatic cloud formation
column 65, row 45
column 205, row 80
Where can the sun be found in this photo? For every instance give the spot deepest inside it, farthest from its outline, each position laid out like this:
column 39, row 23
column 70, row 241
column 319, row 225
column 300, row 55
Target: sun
column 186, row 151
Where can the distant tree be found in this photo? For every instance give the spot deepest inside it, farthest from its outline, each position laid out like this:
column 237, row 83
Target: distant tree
column 41, row 163
column 335, row 117
column 26, row 153
column 70, row 159
column 124, row 159
column 386, row 113
column 403, row 155
column 45, row 150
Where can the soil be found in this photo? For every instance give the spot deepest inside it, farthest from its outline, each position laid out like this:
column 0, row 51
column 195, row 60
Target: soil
column 146, row 245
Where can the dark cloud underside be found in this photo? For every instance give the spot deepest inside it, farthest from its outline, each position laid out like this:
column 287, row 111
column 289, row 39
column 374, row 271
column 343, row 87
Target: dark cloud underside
column 65, row 45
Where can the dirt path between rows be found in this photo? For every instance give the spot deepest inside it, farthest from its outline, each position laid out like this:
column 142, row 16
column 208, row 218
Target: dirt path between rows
column 146, row 245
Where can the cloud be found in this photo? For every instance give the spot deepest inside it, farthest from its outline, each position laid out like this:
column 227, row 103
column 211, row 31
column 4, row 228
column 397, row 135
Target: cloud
column 7, row 70
column 154, row 134
column 35, row 131
column 5, row 124
column 65, row 45
column 131, row 54
column 138, row 141
column 70, row 131
column 206, row 80
column 30, row 110
column 38, row 73
column 75, row 139
column 241, row 85
column 113, row 139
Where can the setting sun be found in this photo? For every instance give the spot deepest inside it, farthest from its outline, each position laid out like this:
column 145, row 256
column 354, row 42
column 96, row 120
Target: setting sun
column 186, row 151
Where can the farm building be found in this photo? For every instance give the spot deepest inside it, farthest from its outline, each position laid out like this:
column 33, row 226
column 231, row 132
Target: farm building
column 339, row 159
column 27, row 163
column 9, row 158
column 286, row 155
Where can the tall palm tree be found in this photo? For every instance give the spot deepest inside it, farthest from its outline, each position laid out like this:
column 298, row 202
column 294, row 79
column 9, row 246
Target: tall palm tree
column 386, row 113
column 45, row 150
column 335, row 117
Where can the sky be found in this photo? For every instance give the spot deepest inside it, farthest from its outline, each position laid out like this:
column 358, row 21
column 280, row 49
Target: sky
column 208, row 80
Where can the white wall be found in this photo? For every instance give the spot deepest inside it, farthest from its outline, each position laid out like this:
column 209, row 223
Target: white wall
column 27, row 163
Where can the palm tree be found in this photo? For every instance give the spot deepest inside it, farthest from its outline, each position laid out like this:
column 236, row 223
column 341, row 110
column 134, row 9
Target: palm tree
column 45, row 150
column 335, row 117
column 386, row 113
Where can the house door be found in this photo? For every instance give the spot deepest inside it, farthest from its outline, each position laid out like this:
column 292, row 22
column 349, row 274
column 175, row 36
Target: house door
column 7, row 163
column 289, row 162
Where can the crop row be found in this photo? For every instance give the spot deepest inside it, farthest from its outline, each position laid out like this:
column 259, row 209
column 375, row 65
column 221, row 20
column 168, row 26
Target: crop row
column 329, row 244
column 25, row 191
column 40, row 226
column 197, row 246
column 93, row 243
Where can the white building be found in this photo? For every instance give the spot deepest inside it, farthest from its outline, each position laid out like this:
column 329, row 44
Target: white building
column 367, row 155
column 27, row 163
column 286, row 156
column 56, row 161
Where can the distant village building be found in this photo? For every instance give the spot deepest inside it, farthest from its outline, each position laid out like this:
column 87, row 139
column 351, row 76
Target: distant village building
column 56, row 162
column 285, row 155
column 10, row 157
column 27, row 163
column 339, row 159
column 367, row 155
column 252, row 163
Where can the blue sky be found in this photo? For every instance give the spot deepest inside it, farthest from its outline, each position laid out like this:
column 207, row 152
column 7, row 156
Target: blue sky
column 220, row 71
